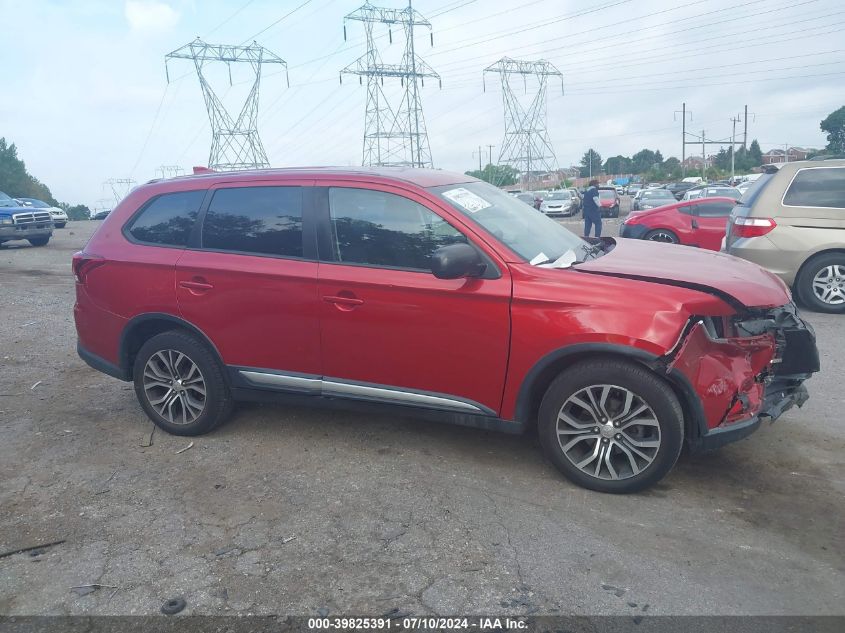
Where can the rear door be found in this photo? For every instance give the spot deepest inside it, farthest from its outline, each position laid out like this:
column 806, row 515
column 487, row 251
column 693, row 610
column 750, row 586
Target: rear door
column 391, row 330
column 710, row 217
column 249, row 282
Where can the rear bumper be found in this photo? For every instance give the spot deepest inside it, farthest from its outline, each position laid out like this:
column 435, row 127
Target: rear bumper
column 100, row 364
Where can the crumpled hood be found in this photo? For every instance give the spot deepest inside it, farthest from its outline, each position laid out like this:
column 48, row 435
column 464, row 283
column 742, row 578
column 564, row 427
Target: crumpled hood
column 735, row 280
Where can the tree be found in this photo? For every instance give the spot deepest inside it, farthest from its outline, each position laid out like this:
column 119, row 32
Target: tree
column 658, row 157
column 15, row 180
column 834, row 125
column 755, row 154
column 591, row 158
column 617, row 165
column 644, row 160
column 499, row 175
column 78, row 212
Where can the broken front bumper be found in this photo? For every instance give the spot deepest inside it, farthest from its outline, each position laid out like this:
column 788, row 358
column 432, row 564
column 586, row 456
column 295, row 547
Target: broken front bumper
column 743, row 370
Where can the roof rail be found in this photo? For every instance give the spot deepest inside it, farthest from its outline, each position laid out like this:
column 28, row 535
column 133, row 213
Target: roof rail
column 828, row 157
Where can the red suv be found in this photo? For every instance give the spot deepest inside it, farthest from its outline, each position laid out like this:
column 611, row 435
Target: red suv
column 700, row 222
column 436, row 293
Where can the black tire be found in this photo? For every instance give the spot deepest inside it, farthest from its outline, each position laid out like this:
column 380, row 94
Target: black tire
column 670, row 237
column 816, row 266
column 621, row 376
column 615, row 212
column 39, row 241
column 217, row 403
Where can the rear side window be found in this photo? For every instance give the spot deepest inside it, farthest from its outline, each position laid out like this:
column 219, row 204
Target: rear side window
column 714, row 209
column 377, row 228
column 255, row 220
column 168, row 220
column 817, row 187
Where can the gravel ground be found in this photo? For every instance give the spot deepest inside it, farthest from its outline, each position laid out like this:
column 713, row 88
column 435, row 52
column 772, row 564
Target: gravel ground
column 298, row 510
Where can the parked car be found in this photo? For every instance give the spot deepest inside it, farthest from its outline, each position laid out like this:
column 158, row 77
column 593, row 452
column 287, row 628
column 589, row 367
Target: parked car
column 699, row 222
column 651, row 199
column 433, row 293
column 559, row 203
column 744, row 186
column 59, row 216
column 608, row 202
column 620, row 190
column 18, row 222
column 100, row 215
column 710, row 191
column 792, row 222
column 633, row 188
column 578, row 198
column 678, row 189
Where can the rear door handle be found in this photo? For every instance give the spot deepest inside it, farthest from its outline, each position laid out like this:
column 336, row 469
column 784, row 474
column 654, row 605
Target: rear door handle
column 347, row 301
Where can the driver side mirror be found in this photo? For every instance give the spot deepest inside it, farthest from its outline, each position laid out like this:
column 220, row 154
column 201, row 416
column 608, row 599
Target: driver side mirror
column 457, row 260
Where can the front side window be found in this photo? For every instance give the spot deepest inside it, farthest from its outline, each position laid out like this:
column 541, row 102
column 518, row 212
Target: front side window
column 377, row 228
column 817, row 187
column 255, row 220
column 168, row 219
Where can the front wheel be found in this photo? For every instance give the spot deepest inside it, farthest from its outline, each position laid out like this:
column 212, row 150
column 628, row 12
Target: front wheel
column 180, row 384
column 611, row 425
column 39, row 241
column 821, row 284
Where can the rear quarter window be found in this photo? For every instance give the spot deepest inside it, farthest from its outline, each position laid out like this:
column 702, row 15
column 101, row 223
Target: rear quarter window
column 167, row 220
column 817, row 187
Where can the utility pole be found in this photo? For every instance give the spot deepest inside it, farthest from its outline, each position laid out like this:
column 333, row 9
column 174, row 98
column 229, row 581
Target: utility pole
column 590, row 163
column 734, row 121
column 786, row 152
column 235, row 143
column 683, row 112
column 745, row 131
column 490, row 154
column 394, row 135
column 480, row 154
column 526, row 144
column 703, row 158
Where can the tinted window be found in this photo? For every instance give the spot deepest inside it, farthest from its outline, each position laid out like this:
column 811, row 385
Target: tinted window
column 753, row 192
column 168, row 219
column 383, row 229
column 259, row 220
column 819, row 187
column 714, row 209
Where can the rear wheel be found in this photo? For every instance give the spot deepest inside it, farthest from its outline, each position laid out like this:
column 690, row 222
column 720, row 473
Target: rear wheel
column 821, row 284
column 662, row 235
column 39, row 241
column 611, row 426
column 180, row 384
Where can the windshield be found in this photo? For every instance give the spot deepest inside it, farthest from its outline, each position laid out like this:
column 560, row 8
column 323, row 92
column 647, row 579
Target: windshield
column 606, row 194
column 558, row 195
column 531, row 235
column 36, row 203
column 659, row 193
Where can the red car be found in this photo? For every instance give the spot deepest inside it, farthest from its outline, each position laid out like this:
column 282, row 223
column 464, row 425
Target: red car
column 608, row 202
column 701, row 222
column 433, row 293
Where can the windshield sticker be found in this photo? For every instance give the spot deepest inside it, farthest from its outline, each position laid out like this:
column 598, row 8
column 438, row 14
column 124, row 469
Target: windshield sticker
column 467, row 199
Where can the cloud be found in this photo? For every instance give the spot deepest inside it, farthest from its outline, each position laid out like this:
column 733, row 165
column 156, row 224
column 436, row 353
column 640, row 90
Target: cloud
column 150, row 15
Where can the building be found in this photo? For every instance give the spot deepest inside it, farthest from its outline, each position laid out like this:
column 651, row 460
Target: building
column 787, row 155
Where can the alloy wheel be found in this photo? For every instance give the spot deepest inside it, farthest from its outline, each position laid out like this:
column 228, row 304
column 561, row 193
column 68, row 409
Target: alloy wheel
column 608, row 432
column 174, row 386
column 662, row 236
column 829, row 284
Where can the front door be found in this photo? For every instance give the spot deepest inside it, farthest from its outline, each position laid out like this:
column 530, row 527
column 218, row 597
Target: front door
column 250, row 283
column 709, row 221
column 392, row 331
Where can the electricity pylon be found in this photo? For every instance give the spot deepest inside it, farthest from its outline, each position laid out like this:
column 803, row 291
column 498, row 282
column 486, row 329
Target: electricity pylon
column 120, row 188
column 235, row 143
column 526, row 145
column 169, row 171
column 394, row 135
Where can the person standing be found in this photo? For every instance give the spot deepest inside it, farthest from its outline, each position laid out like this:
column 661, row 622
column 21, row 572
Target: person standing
column 592, row 209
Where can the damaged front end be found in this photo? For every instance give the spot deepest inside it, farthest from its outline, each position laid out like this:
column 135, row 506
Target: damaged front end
column 741, row 369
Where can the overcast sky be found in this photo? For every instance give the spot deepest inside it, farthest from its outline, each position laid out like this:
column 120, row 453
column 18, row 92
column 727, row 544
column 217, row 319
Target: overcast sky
column 85, row 96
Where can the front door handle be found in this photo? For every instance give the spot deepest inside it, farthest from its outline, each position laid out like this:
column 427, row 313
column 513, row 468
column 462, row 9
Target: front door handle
column 196, row 286
column 342, row 300
column 695, row 224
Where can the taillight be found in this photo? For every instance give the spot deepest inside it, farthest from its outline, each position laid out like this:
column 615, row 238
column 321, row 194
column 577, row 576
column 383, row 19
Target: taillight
column 752, row 227
column 84, row 263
